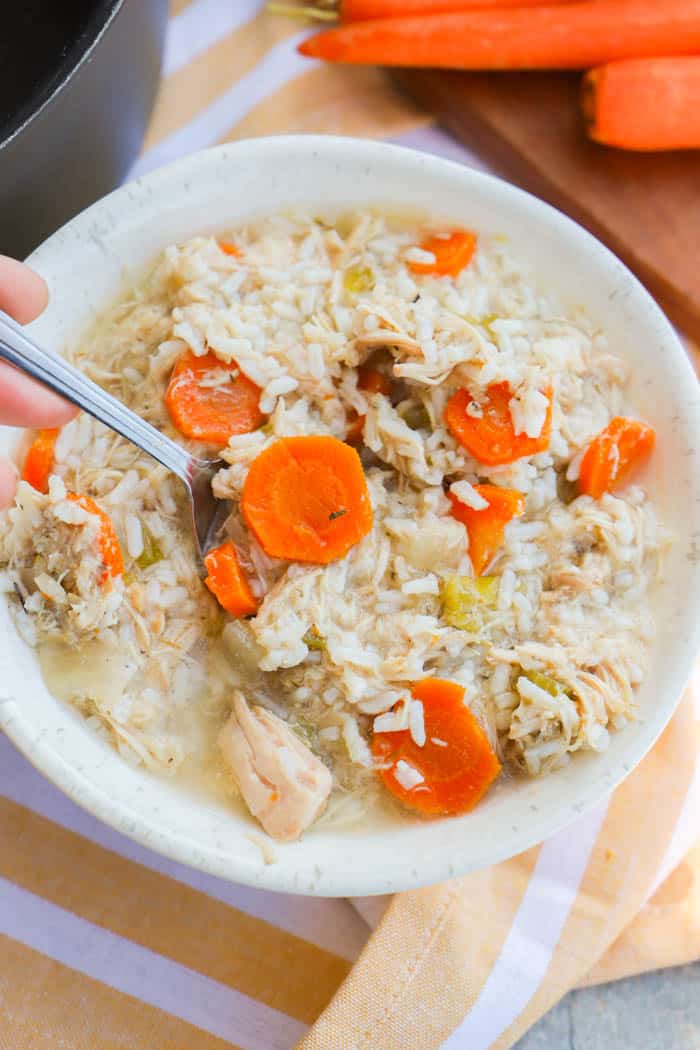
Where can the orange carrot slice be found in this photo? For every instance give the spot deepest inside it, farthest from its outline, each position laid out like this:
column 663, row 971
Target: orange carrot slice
column 614, row 454
column 39, row 462
column 227, row 582
column 107, row 541
column 373, row 382
column 306, row 499
column 211, row 413
column 486, row 430
column 453, row 769
column 451, row 253
column 230, row 249
column 485, row 527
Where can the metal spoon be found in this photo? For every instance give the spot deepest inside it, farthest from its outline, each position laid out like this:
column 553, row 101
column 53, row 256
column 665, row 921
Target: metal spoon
column 63, row 378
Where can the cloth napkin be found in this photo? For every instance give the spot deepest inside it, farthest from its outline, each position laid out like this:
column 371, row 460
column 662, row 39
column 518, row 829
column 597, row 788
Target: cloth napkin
column 106, row 946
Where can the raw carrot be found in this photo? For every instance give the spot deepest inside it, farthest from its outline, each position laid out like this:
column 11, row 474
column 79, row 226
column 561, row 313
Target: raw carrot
column 230, row 249
column 644, row 104
column 39, row 461
column 227, row 582
column 553, row 36
column 306, row 499
column 614, row 454
column 363, row 10
column 451, row 253
column 211, row 413
column 107, row 541
column 485, row 527
column 485, row 428
column 455, row 766
column 372, row 381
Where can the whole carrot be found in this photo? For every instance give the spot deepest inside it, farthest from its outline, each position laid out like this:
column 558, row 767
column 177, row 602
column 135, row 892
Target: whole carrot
column 365, row 10
column 561, row 36
column 644, row 103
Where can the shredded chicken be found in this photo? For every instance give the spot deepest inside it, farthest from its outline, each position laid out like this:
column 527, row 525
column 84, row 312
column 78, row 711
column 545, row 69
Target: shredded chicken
column 282, row 782
column 390, row 438
column 383, row 337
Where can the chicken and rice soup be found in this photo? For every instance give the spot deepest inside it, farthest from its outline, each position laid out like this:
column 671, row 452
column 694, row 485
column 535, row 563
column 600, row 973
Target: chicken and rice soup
column 437, row 565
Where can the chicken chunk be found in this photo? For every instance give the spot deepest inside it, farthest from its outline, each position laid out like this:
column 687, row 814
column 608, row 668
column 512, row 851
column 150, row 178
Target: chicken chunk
column 282, row 782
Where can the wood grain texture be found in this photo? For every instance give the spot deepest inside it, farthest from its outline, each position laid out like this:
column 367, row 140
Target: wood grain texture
column 646, row 207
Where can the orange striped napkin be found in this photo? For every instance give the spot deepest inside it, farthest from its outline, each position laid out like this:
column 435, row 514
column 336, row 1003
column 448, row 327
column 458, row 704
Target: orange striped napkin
column 105, row 946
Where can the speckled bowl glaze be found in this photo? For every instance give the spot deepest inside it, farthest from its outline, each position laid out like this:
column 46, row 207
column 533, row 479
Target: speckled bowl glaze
column 86, row 263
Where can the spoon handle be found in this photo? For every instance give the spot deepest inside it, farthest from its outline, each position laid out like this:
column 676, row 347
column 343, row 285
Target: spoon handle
column 64, row 379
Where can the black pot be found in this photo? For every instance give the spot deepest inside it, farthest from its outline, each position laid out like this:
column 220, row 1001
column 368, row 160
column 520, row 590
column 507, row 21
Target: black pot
column 78, row 80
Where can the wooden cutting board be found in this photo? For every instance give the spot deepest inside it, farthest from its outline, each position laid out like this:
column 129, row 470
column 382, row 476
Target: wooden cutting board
column 646, row 207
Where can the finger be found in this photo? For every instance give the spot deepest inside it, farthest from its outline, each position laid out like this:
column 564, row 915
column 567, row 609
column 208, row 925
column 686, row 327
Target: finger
column 23, row 402
column 8, row 482
column 23, row 293
column 26, row 403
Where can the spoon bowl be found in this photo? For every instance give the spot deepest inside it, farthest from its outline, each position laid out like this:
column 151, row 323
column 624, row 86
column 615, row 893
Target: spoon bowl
column 208, row 513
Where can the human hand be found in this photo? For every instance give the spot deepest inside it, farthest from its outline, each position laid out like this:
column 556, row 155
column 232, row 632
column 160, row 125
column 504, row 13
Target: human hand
column 24, row 402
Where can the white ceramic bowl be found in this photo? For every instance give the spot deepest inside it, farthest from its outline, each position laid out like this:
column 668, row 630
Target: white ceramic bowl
column 85, row 264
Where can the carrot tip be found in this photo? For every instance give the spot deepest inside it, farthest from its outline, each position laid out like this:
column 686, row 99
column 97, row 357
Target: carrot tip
column 324, row 45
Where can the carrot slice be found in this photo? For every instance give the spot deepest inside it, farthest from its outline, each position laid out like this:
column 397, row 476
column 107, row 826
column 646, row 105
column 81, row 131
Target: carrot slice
column 226, row 581
column 485, row 527
column 486, row 429
column 230, row 249
column 373, row 382
column 107, row 541
column 614, row 454
column 451, row 253
column 306, row 499
column 211, row 413
column 456, row 765
column 39, row 461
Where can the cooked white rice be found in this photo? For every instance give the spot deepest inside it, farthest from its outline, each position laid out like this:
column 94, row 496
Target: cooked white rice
column 153, row 660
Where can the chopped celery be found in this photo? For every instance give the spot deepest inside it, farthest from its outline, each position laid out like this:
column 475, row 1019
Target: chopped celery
column 358, row 279
column 129, row 577
column 415, row 415
column 151, row 552
column 466, row 599
column 242, row 649
column 217, row 622
column 313, row 639
column 486, row 321
column 544, row 682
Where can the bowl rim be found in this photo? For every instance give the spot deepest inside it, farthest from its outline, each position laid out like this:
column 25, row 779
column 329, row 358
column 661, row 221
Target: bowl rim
column 434, row 866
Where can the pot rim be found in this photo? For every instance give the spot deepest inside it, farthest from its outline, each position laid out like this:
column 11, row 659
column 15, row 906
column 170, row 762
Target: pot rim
column 93, row 39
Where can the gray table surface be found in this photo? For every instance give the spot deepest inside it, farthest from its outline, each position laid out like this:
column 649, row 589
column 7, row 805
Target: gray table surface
column 656, row 1011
